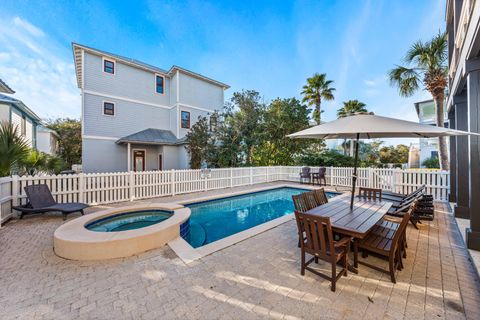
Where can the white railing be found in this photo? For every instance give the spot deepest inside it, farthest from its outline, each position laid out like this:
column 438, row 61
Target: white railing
column 103, row 188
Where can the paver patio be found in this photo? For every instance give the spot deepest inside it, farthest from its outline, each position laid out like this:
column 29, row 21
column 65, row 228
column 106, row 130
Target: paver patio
column 256, row 278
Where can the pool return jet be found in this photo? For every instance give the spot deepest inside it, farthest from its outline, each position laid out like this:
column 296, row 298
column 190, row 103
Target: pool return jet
column 370, row 126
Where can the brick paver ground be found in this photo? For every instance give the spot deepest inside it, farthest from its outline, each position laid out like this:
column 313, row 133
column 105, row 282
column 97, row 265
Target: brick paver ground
column 256, row 279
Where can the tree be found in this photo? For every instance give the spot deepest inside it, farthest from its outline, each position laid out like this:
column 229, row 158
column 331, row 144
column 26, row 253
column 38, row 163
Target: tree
column 426, row 62
column 396, row 155
column 36, row 162
column 325, row 158
column 70, row 141
column 13, row 148
column 349, row 108
column 247, row 121
column 282, row 117
column 431, row 163
column 197, row 143
column 316, row 89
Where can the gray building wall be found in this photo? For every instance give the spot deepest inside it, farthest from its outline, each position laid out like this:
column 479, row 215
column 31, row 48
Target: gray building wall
column 138, row 107
column 129, row 82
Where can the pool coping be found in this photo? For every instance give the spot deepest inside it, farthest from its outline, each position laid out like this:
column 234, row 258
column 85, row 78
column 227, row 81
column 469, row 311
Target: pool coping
column 75, row 242
column 189, row 254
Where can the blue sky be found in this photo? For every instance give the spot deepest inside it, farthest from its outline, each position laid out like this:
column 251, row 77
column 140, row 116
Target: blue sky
column 269, row 46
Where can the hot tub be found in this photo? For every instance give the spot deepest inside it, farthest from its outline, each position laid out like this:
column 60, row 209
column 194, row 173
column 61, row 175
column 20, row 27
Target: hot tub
column 120, row 232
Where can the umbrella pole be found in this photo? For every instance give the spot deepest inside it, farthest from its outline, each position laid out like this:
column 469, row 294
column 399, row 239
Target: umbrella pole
column 354, row 178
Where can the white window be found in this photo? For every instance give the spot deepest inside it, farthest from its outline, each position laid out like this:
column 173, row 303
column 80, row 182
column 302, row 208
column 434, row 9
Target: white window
column 108, row 108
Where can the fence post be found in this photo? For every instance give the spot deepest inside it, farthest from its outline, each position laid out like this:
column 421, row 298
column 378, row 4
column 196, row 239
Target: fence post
column 132, row 185
column 251, row 175
column 172, row 181
column 205, row 177
column 371, row 184
column 268, row 180
column 15, row 191
column 81, row 187
column 331, row 176
column 394, row 180
column 231, row 177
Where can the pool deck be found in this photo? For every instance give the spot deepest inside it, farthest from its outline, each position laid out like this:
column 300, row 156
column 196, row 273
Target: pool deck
column 256, row 278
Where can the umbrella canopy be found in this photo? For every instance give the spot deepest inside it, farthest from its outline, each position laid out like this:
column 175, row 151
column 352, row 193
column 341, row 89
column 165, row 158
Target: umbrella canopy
column 370, row 126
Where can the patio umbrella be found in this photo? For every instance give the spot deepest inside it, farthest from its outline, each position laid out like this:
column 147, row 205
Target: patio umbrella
column 369, row 126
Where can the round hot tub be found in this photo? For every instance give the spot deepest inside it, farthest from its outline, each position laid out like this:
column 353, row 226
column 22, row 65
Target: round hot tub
column 120, row 232
column 129, row 220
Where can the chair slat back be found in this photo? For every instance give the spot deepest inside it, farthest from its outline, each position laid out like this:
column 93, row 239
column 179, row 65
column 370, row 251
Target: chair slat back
column 322, row 172
column 320, row 196
column 370, row 193
column 318, row 234
column 39, row 196
column 403, row 225
column 305, row 173
column 310, row 199
column 299, row 203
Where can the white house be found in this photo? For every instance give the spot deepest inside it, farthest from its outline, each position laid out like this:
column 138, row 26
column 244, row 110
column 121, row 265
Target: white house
column 135, row 115
column 47, row 140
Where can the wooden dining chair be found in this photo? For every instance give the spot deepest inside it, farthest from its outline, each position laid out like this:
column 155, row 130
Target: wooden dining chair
column 302, row 203
column 319, row 243
column 388, row 245
column 320, row 196
column 370, row 193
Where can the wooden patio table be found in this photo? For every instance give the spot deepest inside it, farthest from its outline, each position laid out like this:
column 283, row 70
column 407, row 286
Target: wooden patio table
column 356, row 222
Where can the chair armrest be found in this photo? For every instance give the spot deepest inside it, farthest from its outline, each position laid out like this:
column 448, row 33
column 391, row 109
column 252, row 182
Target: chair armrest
column 392, row 219
column 342, row 242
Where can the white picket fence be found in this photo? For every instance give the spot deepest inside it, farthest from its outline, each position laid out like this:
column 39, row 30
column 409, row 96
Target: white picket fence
column 103, row 188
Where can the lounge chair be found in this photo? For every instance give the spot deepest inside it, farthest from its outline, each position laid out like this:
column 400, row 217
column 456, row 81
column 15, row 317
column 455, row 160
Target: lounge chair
column 319, row 243
column 40, row 200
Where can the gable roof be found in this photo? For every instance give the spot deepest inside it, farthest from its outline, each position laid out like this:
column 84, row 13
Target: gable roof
column 5, row 88
column 20, row 105
column 152, row 136
column 77, row 57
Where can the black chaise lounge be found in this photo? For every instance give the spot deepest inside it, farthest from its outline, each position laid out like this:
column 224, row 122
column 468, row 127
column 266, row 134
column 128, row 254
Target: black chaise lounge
column 40, row 200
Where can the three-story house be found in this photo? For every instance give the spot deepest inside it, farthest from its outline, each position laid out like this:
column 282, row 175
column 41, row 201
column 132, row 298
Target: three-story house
column 134, row 115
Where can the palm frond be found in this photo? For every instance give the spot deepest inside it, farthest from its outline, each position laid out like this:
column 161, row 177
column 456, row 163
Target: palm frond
column 406, row 79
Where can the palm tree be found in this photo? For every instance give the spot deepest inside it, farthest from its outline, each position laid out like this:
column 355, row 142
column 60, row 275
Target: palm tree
column 349, row 108
column 316, row 89
column 426, row 63
column 13, row 148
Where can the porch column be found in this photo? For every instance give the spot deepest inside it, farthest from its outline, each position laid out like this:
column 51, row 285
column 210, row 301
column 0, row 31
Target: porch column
column 452, row 197
column 473, row 85
column 129, row 166
column 461, row 123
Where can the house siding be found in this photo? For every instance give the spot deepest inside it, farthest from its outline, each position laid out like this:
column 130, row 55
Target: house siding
column 103, row 156
column 4, row 113
column 199, row 93
column 134, row 83
column 129, row 117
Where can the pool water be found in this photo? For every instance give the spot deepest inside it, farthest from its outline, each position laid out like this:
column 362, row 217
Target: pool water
column 129, row 221
column 216, row 219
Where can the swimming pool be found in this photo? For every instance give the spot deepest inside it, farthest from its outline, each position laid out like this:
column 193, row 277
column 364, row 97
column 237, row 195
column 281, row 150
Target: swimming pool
column 216, row 219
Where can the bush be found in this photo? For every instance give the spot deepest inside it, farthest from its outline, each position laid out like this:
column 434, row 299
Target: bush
column 431, row 163
column 325, row 158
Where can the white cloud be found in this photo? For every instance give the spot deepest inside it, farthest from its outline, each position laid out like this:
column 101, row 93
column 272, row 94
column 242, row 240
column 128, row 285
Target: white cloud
column 38, row 69
column 27, row 26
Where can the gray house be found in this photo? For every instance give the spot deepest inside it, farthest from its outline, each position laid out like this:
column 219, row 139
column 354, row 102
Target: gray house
column 134, row 115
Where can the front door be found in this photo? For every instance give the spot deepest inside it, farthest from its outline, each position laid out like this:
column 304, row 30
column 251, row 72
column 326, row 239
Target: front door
column 160, row 162
column 139, row 160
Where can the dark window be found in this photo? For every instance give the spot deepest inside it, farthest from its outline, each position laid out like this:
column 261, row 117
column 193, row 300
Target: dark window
column 434, row 154
column 109, row 66
column 24, row 126
column 159, row 84
column 185, row 119
column 108, row 108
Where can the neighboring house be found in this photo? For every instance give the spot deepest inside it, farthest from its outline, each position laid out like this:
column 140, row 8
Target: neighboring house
column 134, row 115
column 428, row 147
column 47, row 140
column 463, row 104
column 16, row 112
